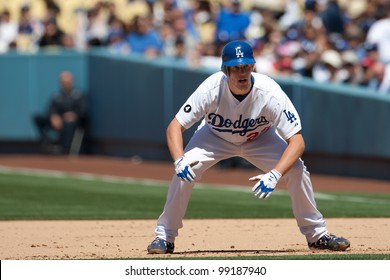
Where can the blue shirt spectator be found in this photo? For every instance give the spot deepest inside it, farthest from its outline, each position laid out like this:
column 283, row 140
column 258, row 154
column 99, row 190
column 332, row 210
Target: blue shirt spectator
column 333, row 18
column 231, row 23
column 144, row 39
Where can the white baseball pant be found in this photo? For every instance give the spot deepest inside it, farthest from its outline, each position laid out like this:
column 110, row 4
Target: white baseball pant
column 263, row 152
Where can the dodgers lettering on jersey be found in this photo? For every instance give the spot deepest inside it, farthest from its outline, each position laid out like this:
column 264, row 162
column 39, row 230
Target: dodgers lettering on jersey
column 241, row 126
column 238, row 122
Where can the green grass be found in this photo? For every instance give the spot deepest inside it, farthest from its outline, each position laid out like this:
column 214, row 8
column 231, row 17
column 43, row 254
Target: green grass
column 55, row 196
column 44, row 197
column 341, row 256
column 41, row 198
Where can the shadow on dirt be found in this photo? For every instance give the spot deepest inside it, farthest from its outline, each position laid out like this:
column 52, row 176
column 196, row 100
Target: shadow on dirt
column 235, row 252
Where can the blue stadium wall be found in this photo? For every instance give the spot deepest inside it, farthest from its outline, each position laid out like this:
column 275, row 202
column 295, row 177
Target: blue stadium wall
column 132, row 99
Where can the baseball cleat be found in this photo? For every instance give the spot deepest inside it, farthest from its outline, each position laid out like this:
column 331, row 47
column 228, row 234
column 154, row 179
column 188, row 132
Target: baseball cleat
column 330, row 242
column 160, row 246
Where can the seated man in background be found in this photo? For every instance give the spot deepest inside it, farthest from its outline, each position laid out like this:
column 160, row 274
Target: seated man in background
column 67, row 111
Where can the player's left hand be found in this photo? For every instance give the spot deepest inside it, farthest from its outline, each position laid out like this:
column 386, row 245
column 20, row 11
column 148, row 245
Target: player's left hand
column 266, row 183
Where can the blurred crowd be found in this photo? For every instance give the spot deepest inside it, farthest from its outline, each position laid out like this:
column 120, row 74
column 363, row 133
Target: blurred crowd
column 337, row 41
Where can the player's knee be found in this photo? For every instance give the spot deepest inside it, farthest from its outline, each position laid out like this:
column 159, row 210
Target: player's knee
column 198, row 172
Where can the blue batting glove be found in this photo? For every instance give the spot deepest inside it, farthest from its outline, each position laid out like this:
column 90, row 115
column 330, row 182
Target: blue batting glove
column 183, row 169
column 266, row 183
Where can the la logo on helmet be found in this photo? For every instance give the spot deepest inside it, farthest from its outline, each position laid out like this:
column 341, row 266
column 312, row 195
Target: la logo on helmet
column 239, row 53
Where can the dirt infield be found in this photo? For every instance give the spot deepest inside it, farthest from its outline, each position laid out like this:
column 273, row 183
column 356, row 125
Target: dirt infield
column 198, row 238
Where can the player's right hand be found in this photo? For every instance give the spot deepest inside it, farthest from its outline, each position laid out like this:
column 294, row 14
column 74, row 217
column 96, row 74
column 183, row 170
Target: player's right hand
column 184, row 170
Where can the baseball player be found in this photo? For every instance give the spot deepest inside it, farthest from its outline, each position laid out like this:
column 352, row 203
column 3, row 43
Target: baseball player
column 245, row 114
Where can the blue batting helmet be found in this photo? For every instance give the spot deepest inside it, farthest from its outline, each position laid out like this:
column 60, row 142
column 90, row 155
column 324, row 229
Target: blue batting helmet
column 237, row 53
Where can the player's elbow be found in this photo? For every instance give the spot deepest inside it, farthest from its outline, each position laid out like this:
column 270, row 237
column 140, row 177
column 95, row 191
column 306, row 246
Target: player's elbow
column 303, row 147
column 301, row 143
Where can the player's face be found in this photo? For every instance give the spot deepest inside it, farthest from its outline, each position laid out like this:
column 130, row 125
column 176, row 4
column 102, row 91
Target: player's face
column 240, row 78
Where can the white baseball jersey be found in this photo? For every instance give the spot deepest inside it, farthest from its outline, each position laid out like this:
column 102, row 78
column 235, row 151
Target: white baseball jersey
column 237, row 122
